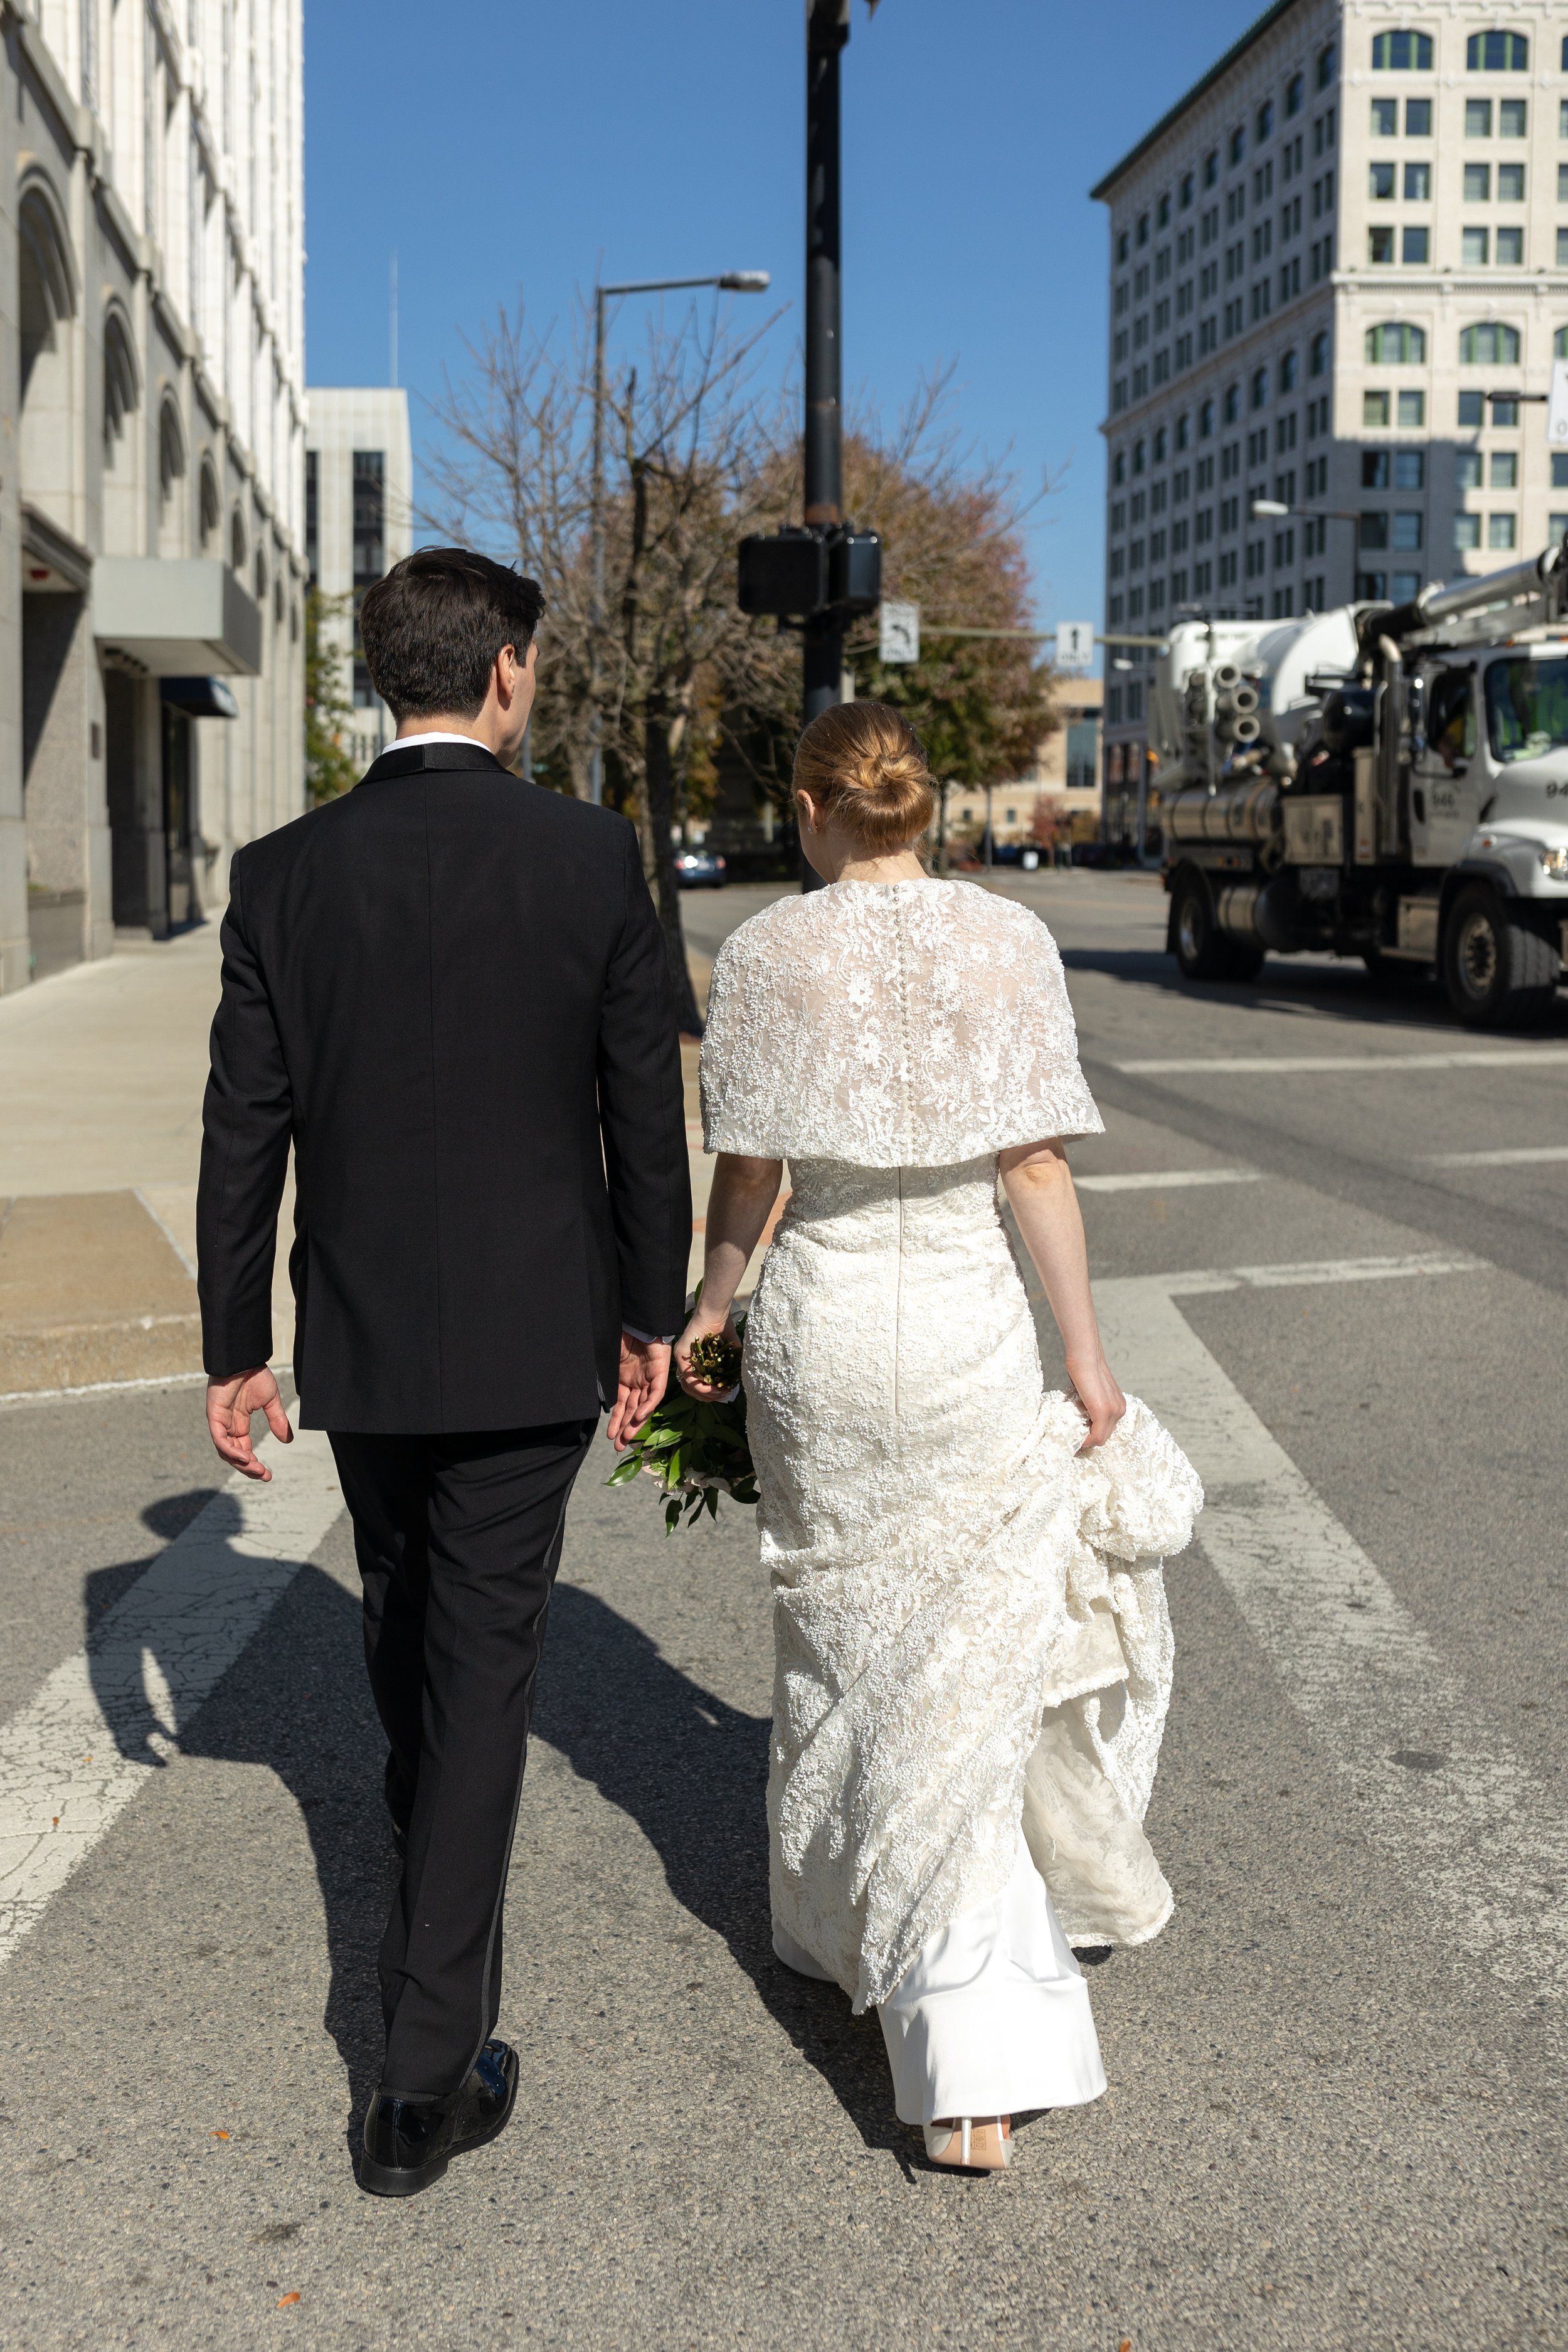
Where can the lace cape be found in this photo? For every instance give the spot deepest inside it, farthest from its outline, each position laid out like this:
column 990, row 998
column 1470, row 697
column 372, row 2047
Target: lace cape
column 890, row 1024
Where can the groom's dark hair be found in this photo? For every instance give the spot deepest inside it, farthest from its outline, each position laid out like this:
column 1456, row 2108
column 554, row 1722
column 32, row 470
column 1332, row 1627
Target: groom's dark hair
column 433, row 626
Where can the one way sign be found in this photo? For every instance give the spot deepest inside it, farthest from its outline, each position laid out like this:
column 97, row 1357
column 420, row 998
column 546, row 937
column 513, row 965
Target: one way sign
column 1074, row 645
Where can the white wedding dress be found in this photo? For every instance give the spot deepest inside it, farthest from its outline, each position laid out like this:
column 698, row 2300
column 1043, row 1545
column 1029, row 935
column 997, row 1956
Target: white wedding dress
column 974, row 1651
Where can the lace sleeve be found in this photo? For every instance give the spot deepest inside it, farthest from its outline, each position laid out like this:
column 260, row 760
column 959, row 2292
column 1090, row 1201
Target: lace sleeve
column 910, row 1024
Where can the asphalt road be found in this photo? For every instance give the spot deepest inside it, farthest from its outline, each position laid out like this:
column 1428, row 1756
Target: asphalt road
column 1336, row 2101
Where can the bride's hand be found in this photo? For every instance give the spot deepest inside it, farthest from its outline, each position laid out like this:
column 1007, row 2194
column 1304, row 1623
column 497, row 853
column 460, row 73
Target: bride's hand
column 702, row 1326
column 1094, row 1387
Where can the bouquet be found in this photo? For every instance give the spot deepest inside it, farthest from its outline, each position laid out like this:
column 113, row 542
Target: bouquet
column 697, row 1450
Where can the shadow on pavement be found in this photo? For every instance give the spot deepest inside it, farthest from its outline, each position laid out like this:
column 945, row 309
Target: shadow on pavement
column 1408, row 1000
column 688, row 1767
column 296, row 1702
column 691, row 1772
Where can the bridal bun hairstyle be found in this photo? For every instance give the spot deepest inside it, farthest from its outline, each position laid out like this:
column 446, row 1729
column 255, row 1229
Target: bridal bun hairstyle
column 865, row 768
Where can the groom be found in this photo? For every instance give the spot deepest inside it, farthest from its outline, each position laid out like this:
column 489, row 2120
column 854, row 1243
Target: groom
column 448, row 991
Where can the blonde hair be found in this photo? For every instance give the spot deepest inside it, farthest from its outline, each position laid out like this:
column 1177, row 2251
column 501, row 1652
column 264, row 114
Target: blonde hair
column 865, row 768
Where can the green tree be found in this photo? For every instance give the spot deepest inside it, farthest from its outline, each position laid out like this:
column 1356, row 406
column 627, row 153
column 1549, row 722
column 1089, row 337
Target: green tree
column 328, row 769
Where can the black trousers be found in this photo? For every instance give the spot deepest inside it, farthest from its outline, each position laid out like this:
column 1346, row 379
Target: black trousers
column 459, row 1540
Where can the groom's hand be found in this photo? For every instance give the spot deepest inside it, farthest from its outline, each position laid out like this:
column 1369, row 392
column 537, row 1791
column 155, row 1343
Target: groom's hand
column 643, row 1379
column 230, row 1405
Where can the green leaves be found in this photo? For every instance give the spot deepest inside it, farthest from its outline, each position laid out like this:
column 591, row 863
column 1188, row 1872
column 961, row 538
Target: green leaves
column 696, row 1451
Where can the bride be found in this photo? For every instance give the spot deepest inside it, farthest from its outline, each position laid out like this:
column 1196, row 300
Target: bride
column 974, row 1651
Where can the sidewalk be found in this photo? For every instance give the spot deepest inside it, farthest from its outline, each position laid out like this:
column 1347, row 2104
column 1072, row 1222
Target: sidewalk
column 102, row 1072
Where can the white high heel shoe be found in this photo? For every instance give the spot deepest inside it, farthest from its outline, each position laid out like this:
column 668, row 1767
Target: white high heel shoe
column 976, row 2143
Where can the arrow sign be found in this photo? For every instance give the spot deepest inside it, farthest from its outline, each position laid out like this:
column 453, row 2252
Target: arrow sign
column 899, row 633
column 1074, row 645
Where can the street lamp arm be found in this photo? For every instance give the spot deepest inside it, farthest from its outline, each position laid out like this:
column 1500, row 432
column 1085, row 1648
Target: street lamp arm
column 734, row 281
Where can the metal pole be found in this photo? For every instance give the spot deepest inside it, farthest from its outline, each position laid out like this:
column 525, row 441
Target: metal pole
column 826, row 30
column 596, row 590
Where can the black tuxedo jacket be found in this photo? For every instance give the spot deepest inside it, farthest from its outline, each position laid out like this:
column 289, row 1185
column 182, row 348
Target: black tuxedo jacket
column 449, row 989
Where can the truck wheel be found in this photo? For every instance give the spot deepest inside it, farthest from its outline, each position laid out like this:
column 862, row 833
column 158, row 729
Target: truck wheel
column 1201, row 949
column 1497, row 970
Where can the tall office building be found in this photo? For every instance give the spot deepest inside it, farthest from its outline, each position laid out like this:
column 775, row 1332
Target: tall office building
column 358, row 523
column 1323, row 259
column 152, row 460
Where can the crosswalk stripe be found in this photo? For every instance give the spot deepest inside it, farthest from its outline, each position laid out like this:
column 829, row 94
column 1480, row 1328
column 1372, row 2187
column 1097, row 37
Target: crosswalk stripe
column 1165, row 1180
column 1284, row 1065
column 1432, row 1786
column 1525, row 1157
column 79, row 1751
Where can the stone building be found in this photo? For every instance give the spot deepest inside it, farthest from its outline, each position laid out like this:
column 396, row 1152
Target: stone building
column 1065, row 771
column 358, row 523
column 1324, row 260
column 152, row 460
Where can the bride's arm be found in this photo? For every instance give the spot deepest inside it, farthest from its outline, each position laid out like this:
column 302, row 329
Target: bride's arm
column 743, row 1193
column 1040, row 1187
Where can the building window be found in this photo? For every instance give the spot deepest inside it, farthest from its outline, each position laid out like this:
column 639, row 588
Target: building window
column 1404, row 587
column 1407, row 534
column 1496, row 53
column 1211, row 167
column 1237, row 148
column 1385, row 118
column 1560, row 469
column 1501, row 532
column 1511, row 184
column 1116, row 612
column 364, row 692
column 1504, row 412
column 1328, row 65
column 368, row 517
column 1395, row 343
column 1119, row 467
column 1375, row 408
column 1403, row 52
column 1318, row 354
column 1505, row 469
column 1373, row 531
column 1510, row 117
column 1122, row 244
column 1478, row 184
column 1185, row 194
column 170, row 447
column 1467, row 531
column 1468, row 469
column 1412, row 411
column 1489, row 345
column 1372, row 586
column 1296, row 92
column 1143, row 231
column 1227, row 568
column 1417, row 184
column 1205, row 420
column 1288, row 370
column 1163, row 212
column 1510, row 248
column 1380, row 246
column 1380, row 183
column 1478, row 118
column 1139, row 456
column 1259, row 387
column 1374, row 469
column 211, row 510
column 312, row 516
column 1414, row 244
column 1560, row 343
column 236, row 548
column 1418, row 118
column 1264, row 122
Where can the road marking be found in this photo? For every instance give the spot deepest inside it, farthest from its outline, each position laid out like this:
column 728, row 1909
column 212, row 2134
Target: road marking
column 1167, row 1179
column 118, row 1387
column 1522, row 1159
column 1284, row 1065
column 1432, row 1784
column 1197, row 1280
column 79, row 1752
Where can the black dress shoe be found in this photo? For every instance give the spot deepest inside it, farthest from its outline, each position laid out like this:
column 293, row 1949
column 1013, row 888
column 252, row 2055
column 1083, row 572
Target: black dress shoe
column 408, row 2143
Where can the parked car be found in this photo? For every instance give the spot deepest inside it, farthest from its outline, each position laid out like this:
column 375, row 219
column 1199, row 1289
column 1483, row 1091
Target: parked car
column 699, row 869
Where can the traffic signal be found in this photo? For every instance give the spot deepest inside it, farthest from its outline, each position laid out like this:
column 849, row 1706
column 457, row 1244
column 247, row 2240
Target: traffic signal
column 797, row 573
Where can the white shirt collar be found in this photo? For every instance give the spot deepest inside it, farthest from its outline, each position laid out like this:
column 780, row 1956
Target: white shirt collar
column 436, row 735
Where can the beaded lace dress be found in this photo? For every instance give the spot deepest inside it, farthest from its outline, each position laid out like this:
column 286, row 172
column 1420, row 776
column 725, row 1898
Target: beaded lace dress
column 972, row 1647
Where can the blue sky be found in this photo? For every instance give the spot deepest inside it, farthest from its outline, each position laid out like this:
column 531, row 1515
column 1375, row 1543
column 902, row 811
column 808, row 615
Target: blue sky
column 505, row 148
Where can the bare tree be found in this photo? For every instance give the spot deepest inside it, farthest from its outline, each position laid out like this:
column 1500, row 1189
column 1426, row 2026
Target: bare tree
column 692, row 460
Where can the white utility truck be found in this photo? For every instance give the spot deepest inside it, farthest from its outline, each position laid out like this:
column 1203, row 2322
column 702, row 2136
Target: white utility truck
column 1387, row 782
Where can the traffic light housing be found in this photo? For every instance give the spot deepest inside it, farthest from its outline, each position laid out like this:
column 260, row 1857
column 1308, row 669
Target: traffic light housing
column 797, row 573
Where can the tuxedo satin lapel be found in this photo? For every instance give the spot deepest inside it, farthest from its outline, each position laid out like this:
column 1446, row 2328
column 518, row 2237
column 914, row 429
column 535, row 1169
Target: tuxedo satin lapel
column 423, row 759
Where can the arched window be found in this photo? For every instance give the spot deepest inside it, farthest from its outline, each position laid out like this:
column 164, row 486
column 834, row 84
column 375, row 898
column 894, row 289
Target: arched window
column 171, row 446
column 1260, row 389
column 1138, row 457
column 1489, row 345
column 1328, row 65
column 212, row 506
column 1288, row 367
column 1397, row 344
column 1205, row 420
column 122, row 389
column 261, row 577
column 1318, row 354
column 237, row 541
column 48, row 287
column 1402, row 52
column 278, row 600
column 1496, row 53
column 1159, row 440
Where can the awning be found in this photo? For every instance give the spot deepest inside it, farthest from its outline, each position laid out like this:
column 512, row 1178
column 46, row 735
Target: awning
column 204, row 698
column 175, row 616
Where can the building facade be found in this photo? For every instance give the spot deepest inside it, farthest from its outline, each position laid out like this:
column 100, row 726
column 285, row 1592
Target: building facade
column 1064, row 777
column 152, row 460
column 1324, row 261
column 358, row 523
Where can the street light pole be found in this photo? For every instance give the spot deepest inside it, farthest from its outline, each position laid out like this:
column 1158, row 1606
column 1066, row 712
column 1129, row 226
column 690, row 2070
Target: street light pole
column 826, row 30
column 732, row 281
